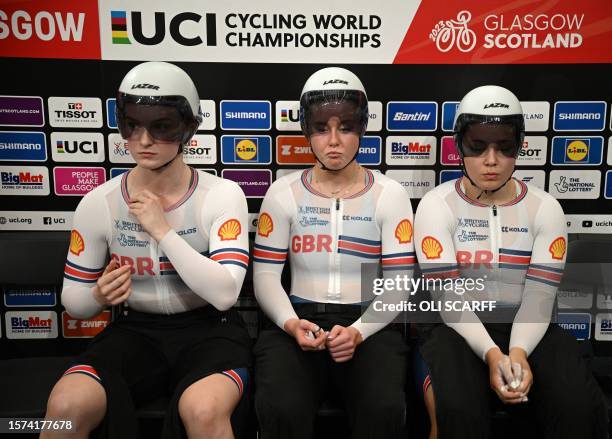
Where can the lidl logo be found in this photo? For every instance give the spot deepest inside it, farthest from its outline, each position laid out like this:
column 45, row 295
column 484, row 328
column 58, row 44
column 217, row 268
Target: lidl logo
column 247, row 150
column 577, row 150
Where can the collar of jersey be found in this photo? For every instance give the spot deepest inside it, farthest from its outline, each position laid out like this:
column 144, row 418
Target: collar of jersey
column 519, row 197
column 307, row 177
column 193, row 183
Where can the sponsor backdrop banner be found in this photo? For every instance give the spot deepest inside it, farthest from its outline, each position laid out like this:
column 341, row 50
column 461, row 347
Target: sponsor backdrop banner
column 62, row 63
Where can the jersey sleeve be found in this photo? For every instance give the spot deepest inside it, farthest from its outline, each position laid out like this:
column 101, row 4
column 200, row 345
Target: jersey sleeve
column 435, row 250
column 218, row 276
column 543, row 276
column 270, row 252
column 395, row 217
column 87, row 255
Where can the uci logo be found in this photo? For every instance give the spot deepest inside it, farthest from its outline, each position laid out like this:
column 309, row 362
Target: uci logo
column 141, row 24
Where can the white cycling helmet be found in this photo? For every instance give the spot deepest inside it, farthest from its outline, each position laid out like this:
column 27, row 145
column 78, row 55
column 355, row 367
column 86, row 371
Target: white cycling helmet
column 164, row 84
column 489, row 104
column 333, row 85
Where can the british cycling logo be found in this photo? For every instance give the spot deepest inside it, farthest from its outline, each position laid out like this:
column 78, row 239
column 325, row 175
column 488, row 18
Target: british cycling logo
column 454, row 33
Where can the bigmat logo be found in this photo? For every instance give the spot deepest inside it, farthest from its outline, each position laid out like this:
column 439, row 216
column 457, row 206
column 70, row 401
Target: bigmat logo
column 246, row 150
column 253, row 182
column 68, row 112
column 84, row 328
column 23, row 146
column 578, row 324
column 30, row 324
column 412, row 116
column 77, row 181
column 575, row 184
column 411, row 150
column 579, row 116
column 533, row 152
column 77, row 147
column 416, row 182
column 24, row 180
column 29, row 297
column 202, row 150
column 21, row 111
column 577, row 151
column 50, row 29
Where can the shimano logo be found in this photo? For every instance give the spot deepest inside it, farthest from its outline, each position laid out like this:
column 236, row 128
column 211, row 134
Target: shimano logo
column 336, row 81
column 245, row 115
column 146, row 86
column 579, row 116
column 415, row 117
column 496, row 105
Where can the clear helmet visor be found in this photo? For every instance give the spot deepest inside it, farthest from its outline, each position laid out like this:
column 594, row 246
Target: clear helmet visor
column 317, row 107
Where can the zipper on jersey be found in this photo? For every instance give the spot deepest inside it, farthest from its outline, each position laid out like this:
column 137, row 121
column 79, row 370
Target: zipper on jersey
column 160, row 285
column 495, row 229
column 333, row 286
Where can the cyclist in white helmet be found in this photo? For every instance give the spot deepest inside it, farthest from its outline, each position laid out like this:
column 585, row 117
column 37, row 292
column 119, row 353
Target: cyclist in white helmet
column 330, row 219
column 511, row 236
column 178, row 247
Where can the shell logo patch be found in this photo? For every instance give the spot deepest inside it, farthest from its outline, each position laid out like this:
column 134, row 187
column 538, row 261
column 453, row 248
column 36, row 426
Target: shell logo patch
column 229, row 230
column 557, row 248
column 265, row 225
column 403, row 231
column 77, row 244
column 431, row 247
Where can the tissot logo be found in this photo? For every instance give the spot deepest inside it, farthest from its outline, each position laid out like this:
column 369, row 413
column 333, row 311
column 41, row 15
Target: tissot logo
column 152, row 28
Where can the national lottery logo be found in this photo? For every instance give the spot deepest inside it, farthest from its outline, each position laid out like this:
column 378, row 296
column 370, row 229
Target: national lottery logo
column 454, row 33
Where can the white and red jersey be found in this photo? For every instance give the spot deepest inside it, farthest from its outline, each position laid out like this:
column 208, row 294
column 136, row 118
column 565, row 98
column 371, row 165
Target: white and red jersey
column 523, row 243
column 327, row 240
column 209, row 237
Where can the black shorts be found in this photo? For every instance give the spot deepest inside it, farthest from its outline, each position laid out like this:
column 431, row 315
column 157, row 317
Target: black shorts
column 142, row 356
